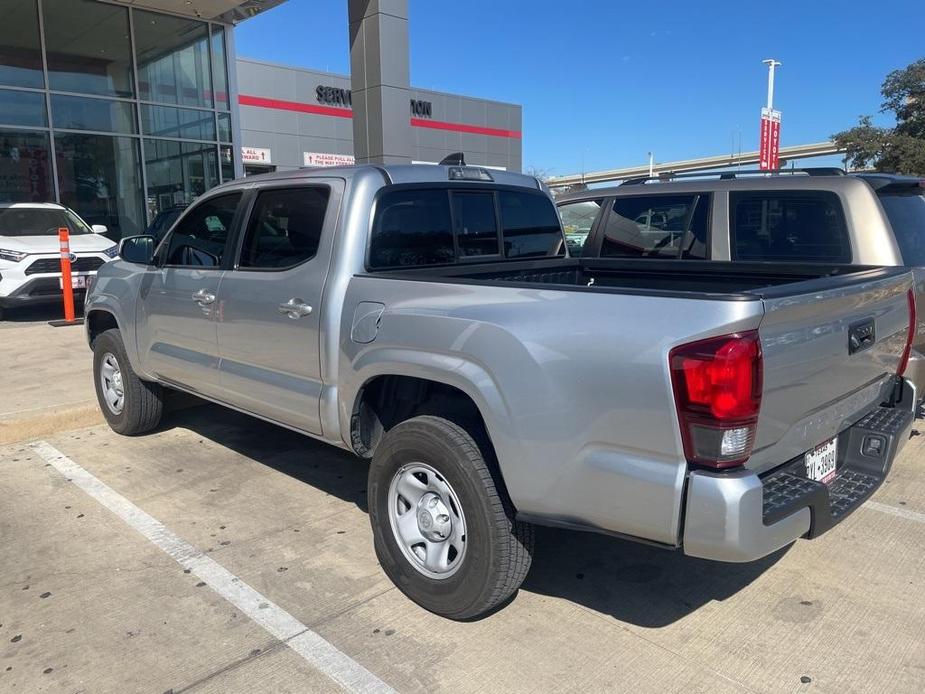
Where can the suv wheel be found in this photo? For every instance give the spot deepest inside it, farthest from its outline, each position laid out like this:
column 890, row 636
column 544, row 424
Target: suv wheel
column 443, row 527
column 130, row 405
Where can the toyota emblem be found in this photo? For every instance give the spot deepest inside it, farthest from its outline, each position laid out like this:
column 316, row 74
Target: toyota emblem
column 72, row 257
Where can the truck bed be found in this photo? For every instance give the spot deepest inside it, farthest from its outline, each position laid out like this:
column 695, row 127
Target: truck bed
column 726, row 280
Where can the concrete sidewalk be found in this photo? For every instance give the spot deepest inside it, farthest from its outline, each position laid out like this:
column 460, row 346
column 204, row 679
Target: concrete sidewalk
column 47, row 377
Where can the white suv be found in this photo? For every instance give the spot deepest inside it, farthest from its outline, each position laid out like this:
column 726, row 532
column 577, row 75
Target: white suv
column 30, row 259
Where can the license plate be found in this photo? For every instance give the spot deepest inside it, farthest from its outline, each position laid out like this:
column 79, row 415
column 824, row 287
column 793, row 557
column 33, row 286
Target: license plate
column 77, row 282
column 820, row 462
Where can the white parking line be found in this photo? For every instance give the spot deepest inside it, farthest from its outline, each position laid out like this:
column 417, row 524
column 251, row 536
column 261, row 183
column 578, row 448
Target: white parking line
column 312, row 647
column 894, row 511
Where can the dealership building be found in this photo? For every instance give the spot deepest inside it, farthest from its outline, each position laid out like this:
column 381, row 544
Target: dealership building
column 294, row 117
column 121, row 109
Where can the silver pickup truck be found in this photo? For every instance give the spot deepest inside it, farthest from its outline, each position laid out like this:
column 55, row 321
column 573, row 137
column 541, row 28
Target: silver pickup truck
column 430, row 320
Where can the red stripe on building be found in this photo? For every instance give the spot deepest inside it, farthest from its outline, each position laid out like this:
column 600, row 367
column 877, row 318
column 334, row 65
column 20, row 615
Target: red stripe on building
column 281, row 105
column 463, row 128
column 299, row 107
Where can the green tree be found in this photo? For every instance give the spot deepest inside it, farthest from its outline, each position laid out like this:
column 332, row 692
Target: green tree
column 900, row 149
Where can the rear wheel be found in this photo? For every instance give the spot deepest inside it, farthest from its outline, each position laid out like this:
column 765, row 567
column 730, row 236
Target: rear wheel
column 130, row 405
column 443, row 527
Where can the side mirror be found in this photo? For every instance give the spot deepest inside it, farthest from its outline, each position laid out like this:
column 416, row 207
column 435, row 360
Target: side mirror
column 137, row 249
column 99, row 228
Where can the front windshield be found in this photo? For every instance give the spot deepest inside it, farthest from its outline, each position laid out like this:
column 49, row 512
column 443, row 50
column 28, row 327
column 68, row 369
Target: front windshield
column 78, row 226
column 37, row 221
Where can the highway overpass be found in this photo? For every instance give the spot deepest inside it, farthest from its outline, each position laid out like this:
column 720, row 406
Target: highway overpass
column 818, row 149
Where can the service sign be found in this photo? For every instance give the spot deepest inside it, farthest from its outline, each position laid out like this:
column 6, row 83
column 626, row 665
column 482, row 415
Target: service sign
column 769, row 141
column 256, row 155
column 327, row 159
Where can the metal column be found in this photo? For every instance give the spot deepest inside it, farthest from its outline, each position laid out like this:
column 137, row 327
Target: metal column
column 379, row 81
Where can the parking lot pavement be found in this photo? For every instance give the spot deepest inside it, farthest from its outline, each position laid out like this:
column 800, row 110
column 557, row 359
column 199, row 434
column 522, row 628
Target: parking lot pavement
column 47, row 377
column 286, row 518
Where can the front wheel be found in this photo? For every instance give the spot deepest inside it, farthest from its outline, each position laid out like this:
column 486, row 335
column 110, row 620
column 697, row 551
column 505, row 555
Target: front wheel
column 130, row 405
column 443, row 528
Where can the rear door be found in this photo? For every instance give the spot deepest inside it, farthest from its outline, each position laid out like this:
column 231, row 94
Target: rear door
column 817, row 379
column 270, row 304
column 176, row 330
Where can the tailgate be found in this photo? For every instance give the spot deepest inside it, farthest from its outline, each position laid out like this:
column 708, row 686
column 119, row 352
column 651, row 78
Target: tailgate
column 813, row 386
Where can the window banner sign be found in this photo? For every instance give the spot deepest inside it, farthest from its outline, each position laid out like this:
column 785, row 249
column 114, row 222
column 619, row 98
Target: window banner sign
column 769, row 143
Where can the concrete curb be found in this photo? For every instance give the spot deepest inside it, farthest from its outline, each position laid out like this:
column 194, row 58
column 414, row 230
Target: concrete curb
column 50, row 421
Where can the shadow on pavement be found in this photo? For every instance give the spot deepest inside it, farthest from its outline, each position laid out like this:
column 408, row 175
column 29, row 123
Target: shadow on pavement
column 40, row 313
column 320, row 465
column 640, row 584
column 635, row 583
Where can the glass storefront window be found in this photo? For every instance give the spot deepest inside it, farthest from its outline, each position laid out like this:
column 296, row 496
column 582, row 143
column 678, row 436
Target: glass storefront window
column 178, row 172
column 25, row 170
column 226, row 157
column 173, row 60
column 80, row 113
column 219, row 70
column 224, row 127
column 185, row 123
column 20, row 48
column 100, row 178
column 133, row 98
column 22, row 108
column 88, row 48
column 202, row 161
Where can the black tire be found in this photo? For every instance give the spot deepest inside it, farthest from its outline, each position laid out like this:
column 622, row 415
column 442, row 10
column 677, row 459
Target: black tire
column 143, row 401
column 499, row 548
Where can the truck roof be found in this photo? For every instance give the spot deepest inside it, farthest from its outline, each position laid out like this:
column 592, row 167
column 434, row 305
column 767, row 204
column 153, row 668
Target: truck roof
column 392, row 173
column 837, row 183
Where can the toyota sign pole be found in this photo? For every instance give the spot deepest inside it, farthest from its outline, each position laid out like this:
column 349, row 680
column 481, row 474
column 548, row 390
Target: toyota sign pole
column 769, row 146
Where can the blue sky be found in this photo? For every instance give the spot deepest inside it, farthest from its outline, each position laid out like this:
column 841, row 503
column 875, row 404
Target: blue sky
column 602, row 83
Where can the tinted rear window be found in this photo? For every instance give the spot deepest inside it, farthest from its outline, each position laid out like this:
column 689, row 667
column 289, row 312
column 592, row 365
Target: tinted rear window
column 474, row 224
column 907, row 217
column 412, row 227
column 530, row 226
column 416, row 227
column 788, row 226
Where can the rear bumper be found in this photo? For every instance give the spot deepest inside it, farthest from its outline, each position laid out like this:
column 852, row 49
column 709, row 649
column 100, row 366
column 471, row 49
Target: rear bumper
column 915, row 371
column 740, row 516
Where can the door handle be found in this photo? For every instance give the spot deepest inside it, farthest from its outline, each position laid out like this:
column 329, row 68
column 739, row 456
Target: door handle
column 203, row 297
column 295, row 308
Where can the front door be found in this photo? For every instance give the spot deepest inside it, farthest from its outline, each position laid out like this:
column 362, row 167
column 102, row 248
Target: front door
column 270, row 305
column 177, row 334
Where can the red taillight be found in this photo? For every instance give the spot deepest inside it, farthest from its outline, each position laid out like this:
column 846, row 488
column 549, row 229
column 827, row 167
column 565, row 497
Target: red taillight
column 717, row 389
column 910, row 336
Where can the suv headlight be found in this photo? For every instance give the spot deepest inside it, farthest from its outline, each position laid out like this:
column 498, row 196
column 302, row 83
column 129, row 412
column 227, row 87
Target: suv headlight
column 112, row 252
column 15, row 256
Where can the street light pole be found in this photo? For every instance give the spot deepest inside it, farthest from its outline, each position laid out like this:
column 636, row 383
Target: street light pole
column 772, row 64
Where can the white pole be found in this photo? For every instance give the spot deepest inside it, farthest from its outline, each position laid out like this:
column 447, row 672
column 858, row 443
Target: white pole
column 771, row 63
column 651, row 166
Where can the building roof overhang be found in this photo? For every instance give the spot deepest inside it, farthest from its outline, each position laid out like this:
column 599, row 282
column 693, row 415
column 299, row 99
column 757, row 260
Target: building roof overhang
column 227, row 11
